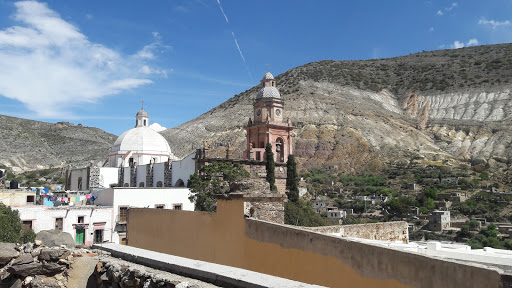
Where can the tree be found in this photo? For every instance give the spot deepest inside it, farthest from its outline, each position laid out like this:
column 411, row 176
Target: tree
column 10, row 225
column 270, row 167
column 431, row 193
column 292, row 179
column 302, row 214
column 212, row 179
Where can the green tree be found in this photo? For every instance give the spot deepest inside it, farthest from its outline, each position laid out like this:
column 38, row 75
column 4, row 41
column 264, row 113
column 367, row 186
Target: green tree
column 212, row 179
column 301, row 213
column 270, row 167
column 292, row 179
column 429, row 203
column 431, row 193
column 10, row 225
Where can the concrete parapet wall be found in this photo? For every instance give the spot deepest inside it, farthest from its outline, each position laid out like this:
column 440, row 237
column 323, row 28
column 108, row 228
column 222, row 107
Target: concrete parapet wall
column 384, row 231
column 226, row 238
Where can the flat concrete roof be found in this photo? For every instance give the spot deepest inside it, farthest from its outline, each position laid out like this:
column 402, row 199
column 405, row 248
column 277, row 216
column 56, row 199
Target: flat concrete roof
column 209, row 272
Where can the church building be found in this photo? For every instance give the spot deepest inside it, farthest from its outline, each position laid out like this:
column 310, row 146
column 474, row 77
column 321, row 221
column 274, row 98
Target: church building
column 268, row 125
column 140, row 157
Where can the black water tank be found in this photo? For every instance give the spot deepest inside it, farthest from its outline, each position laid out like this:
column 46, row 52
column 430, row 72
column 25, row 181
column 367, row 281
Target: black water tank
column 14, row 184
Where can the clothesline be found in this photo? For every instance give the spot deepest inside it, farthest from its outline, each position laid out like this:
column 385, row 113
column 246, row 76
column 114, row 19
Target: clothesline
column 69, row 199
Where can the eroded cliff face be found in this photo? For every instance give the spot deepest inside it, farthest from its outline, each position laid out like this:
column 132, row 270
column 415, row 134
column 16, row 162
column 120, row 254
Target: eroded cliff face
column 471, row 126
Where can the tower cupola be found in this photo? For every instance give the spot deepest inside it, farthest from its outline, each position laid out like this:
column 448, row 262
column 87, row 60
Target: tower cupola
column 142, row 118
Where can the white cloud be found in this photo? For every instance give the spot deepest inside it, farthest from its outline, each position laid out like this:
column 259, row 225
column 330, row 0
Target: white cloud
column 494, row 23
column 458, row 44
column 447, row 9
column 431, row 29
column 148, row 71
column 157, row 127
column 48, row 65
column 472, row 42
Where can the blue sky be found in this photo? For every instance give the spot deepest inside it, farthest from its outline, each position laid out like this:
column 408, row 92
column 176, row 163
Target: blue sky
column 92, row 62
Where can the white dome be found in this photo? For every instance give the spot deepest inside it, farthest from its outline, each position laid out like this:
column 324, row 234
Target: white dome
column 268, row 76
column 142, row 140
column 268, row 92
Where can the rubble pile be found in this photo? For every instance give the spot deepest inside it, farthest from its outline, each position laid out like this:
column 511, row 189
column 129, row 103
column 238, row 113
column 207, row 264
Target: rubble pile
column 36, row 265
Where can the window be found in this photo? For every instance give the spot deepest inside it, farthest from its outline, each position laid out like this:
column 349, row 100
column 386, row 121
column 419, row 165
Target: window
column 58, row 224
column 30, row 199
column 123, row 214
column 180, row 183
column 81, row 219
column 26, row 225
column 131, row 161
column 98, row 236
column 177, row 206
column 144, row 122
column 160, row 206
column 79, row 183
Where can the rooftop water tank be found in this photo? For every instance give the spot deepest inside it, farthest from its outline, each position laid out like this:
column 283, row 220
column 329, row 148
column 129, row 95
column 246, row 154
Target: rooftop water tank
column 14, row 184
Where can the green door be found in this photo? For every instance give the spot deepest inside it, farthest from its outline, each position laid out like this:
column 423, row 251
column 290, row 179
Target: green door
column 80, row 233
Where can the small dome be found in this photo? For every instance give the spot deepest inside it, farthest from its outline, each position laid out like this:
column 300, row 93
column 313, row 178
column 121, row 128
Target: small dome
column 268, row 76
column 141, row 140
column 142, row 113
column 268, row 92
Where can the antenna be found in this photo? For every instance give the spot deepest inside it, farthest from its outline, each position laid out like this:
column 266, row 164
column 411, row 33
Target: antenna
column 268, row 67
column 143, row 104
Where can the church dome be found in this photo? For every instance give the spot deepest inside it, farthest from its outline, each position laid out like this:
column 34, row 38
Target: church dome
column 143, row 140
column 268, row 76
column 142, row 113
column 268, row 92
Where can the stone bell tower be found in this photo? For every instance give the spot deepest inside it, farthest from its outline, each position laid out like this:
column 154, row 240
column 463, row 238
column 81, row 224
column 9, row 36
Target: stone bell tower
column 268, row 125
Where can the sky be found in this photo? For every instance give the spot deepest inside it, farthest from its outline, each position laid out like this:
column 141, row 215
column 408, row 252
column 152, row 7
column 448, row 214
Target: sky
column 93, row 62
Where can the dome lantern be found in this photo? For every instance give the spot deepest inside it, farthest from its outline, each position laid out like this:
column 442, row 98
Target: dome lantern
column 142, row 118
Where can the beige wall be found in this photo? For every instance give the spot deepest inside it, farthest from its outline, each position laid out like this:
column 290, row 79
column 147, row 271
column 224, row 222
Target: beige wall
column 385, row 231
column 227, row 238
column 16, row 198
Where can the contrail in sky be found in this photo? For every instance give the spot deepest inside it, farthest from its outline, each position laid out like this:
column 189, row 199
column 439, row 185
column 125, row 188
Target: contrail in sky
column 236, row 42
column 222, row 10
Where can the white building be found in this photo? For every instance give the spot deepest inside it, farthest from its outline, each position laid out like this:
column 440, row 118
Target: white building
column 87, row 224
column 122, row 198
column 141, row 145
column 140, row 157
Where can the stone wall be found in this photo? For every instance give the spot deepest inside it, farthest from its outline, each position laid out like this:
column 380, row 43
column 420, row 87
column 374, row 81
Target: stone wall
column 385, row 231
column 267, row 208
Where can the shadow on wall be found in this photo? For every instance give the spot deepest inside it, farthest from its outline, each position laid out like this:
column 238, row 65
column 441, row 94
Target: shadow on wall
column 227, row 238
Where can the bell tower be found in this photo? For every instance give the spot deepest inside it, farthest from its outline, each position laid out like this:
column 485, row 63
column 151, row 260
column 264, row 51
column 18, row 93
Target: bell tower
column 268, row 125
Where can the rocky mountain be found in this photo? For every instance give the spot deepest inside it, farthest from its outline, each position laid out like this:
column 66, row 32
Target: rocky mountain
column 451, row 105
column 30, row 145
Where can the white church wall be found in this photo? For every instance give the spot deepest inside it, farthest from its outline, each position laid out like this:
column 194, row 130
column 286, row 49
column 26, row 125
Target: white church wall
column 183, row 169
column 141, row 175
column 108, row 176
column 76, row 175
column 126, row 178
column 158, row 173
column 43, row 218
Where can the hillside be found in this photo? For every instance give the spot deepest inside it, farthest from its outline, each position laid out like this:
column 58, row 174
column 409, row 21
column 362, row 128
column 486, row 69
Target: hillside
column 452, row 105
column 29, row 145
